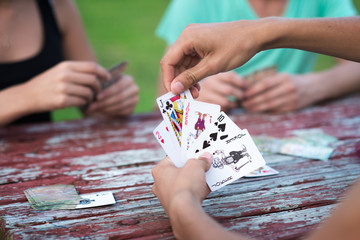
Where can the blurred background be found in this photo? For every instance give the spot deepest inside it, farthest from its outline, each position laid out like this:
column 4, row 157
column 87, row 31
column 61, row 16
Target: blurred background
column 124, row 30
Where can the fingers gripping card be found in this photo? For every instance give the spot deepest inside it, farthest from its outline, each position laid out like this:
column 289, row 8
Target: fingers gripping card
column 171, row 107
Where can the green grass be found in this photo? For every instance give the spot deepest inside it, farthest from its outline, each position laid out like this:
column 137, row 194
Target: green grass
column 124, row 30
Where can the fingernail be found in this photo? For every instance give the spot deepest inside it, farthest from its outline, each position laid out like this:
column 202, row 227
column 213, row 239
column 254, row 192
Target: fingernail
column 93, row 107
column 177, row 87
column 206, row 156
column 100, row 95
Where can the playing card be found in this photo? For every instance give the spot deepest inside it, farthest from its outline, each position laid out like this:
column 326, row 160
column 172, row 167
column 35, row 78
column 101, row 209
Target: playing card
column 162, row 134
column 53, row 197
column 262, row 172
column 222, row 127
column 96, row 199
column 116, row 72
column 198, row 116
column 232, row 159
column 171, row 107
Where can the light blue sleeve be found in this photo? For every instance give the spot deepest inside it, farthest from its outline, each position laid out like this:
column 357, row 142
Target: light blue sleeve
column 338, row 8
column 178, row 15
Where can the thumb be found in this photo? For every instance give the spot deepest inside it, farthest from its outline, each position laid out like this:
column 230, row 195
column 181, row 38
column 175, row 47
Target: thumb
column 206, row 160
column 190, row 77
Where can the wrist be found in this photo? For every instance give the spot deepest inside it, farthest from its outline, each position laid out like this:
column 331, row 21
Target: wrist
column 184, row 209
column 274, row 32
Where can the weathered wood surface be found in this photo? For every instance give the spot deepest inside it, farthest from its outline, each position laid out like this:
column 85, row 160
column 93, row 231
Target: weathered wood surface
column 97, row 155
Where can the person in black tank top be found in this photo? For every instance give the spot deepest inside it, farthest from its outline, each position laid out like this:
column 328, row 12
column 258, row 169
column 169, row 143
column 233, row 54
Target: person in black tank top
column 62, row 73
column 50, row 54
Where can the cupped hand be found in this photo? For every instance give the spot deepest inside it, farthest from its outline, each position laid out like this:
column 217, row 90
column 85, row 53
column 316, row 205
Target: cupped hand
column 280, row 93
column 67, row 84
column 224, row 89
column 119, row 99
column 171, row 182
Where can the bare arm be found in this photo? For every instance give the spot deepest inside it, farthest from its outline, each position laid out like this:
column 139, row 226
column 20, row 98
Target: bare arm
column 75, row 43
column 205, row 49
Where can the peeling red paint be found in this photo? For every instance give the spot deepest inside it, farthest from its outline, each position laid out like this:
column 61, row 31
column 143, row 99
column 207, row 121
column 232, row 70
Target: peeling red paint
column 117, row 155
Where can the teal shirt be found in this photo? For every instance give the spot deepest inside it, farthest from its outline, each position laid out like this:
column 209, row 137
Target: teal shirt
column 180, row 13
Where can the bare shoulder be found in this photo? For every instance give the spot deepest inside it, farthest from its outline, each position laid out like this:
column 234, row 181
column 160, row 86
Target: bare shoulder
column 66, row 13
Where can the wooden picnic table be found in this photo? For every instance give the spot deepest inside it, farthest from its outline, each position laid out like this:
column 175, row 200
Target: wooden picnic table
column 118, row 155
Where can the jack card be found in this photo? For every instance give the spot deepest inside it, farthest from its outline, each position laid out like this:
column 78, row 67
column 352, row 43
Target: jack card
column 171, row 107
column 197, row 117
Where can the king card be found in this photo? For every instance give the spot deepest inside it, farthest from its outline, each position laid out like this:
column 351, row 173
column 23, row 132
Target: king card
column 198, row 116
column 171, row 107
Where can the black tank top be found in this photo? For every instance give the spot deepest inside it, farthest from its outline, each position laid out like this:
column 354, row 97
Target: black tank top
column 50, row 54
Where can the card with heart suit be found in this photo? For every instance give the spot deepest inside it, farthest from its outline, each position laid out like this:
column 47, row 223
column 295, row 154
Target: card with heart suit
column 232, row 159
column 171, row 107
column 162, row 134
column 192, row 127
column 262, row 172
column 198, row 116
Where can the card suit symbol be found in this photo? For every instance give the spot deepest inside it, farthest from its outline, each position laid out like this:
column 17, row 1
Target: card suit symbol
column 163, row 111
column 206, row 144
column 222, row 127
column 168, row 105
column 213, row 136
column 162, row 140
column 197, row 150
column 167, row 129
column 223, row 137
column 216, row 123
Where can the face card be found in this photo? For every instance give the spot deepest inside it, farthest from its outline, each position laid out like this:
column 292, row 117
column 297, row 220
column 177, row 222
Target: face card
column 162, row 134
column 198, row 116
column 96, row 199
column 219, row 132
column 262, row 172
column 171, row 107
column 232, row 159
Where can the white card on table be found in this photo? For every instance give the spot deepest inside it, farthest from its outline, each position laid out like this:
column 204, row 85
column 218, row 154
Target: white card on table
column 162, row 134
column 232, row 159
column 197, row 117
column 96, row 199
column 171, row 107
column 262, row 172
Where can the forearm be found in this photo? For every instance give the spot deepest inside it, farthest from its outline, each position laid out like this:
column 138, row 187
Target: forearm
column 338, row 81
column 338, row 37
column 189, row 221
column 14, row 104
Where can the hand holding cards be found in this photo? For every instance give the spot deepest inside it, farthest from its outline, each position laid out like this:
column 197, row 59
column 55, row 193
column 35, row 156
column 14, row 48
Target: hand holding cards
column 191, row 128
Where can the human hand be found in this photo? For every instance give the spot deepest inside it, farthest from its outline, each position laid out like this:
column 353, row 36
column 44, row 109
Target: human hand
column 220, row 88
column 280, row 93
column 119, row 99
column 67, row 84
column 171, row 183
column 206, row 49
